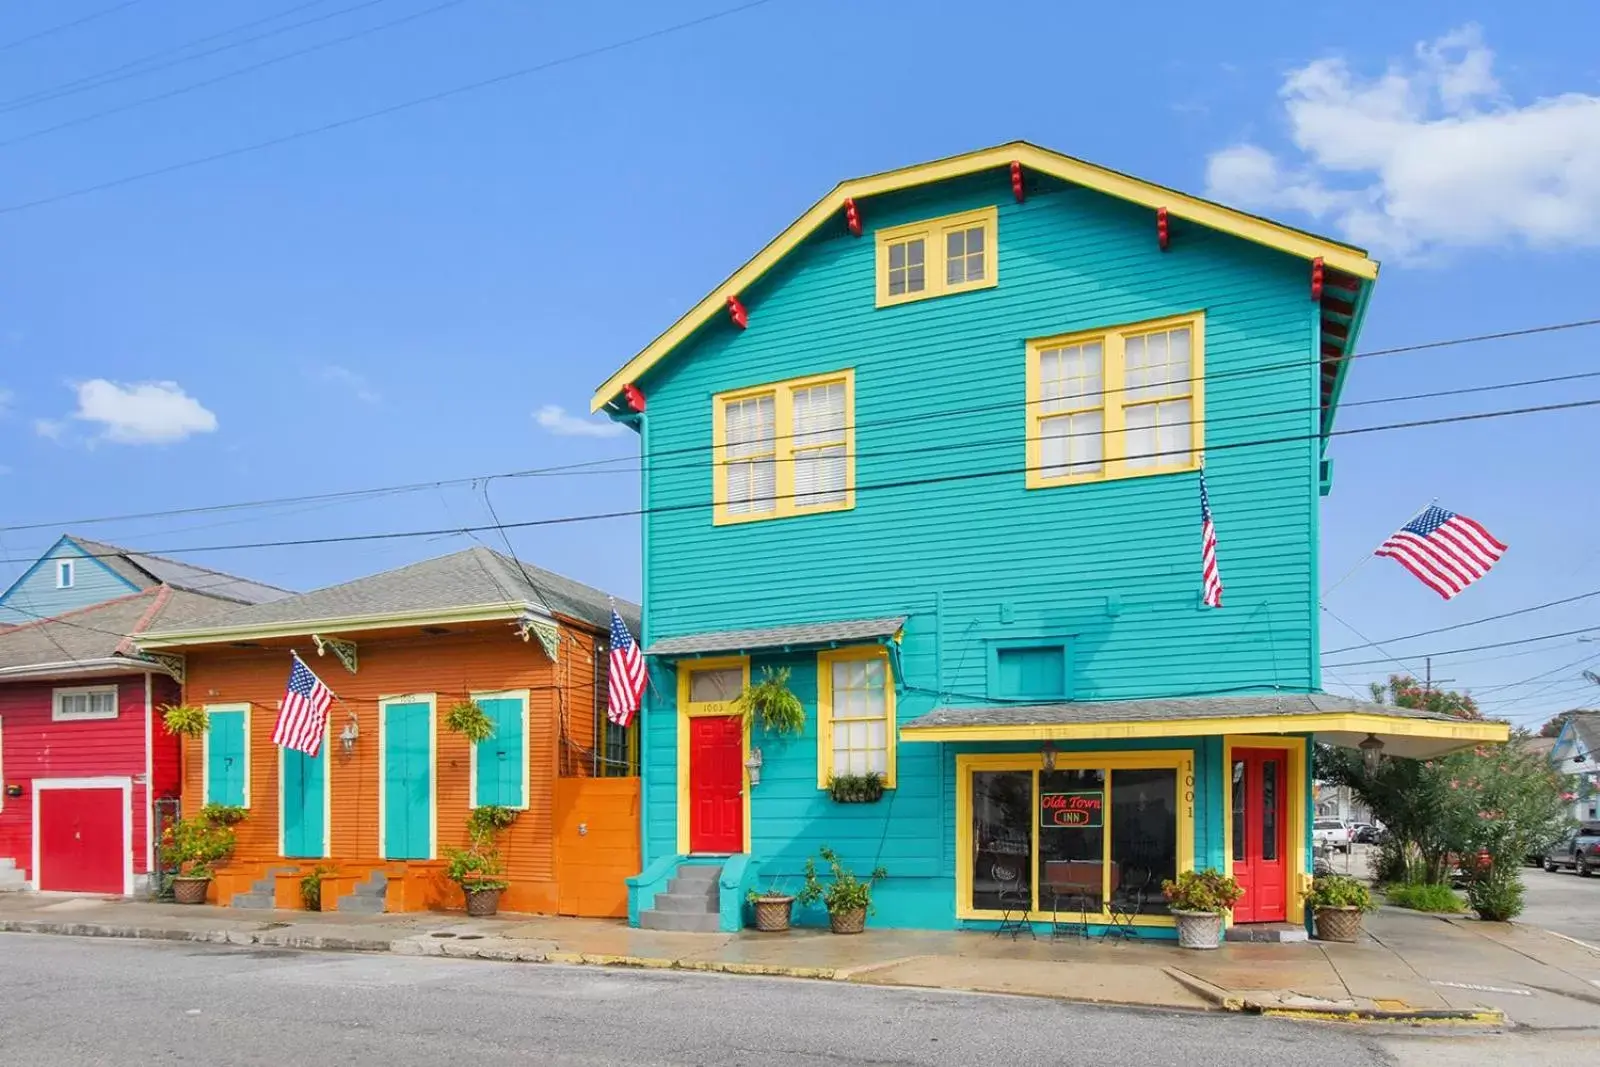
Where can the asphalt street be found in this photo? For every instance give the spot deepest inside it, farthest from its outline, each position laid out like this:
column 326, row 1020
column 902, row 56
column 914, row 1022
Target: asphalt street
column 1562, row 902
column 67, row 1002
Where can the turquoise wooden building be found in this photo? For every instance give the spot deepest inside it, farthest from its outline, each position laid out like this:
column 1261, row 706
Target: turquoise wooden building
column 936, row 450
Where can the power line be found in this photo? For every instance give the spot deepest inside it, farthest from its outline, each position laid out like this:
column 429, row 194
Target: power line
column 1534, row 678
column 906, row 483
column 191, row 87
column 63, row 26
column 391, row 109
column 1475, row 648
column 588, row 466
column 6, row 105
column 1369, row 642
column 1464, row 625
column 44, row 96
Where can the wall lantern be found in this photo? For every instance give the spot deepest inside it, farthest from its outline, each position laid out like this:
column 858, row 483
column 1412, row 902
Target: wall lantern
column 753, row 766
column 1371, row 749
column 1048, row 756
column 347, row 736
column 13, row 790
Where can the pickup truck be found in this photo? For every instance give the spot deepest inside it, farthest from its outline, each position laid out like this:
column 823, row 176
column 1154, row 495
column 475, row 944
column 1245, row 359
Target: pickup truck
column 1332, row 833
column 1581, row 852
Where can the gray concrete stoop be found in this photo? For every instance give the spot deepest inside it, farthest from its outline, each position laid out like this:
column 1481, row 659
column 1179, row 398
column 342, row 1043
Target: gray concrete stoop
column 691, row 903
column 11, row 879
column 263, row 892
column 369, row 897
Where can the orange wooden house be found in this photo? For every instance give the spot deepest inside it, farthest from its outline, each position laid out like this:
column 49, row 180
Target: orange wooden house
column 392, row 787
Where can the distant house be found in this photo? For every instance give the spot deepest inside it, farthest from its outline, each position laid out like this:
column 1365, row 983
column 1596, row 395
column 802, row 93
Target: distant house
column 392, row 787
column 1577, row 752
column 78, row 573
column 83, row 755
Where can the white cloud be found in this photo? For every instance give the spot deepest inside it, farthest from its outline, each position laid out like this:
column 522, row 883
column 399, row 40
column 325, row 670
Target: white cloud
column 1430, row 155
column 49, row 428
column 554, row 417
column 356, row 383
column 142, row 413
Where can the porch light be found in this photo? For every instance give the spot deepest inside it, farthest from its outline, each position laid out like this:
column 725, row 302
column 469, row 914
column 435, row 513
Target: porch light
column 753, row 766
column 1048, row 756
column 351, row 731
column 1371, row 749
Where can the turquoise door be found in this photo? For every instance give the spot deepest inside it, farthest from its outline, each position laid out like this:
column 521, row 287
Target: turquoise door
column 407, row 782
column 305, row 803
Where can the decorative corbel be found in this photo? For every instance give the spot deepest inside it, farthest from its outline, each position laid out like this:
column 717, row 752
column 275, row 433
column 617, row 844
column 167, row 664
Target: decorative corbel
column 171, row 662
column 634, row 397
column 1163, row 233
column 345, row 651
column 737, row 312
column 852, row 217
column 529, row 627
column 1016, row 181
column 1316, row 278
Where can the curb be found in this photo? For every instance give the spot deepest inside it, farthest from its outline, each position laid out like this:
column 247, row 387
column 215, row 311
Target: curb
column 661, row 963
column 268, row 938
column 1329, row 1011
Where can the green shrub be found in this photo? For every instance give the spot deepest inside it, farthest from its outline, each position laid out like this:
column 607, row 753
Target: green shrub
column 1208, row 890
column 845, row 893
column 311, row 887
column 196, row 846
column 1424, row 896
column 1497, row 895
column 1340, row 891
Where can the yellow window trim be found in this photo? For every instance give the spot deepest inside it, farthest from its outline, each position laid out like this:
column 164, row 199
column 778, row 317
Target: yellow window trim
column 1114, row 465
column 1297, row 884
column 825, row 662
column 782, row 392
column 827, row 211
column 933, row 233
column 706, row 709
column 1180, row 760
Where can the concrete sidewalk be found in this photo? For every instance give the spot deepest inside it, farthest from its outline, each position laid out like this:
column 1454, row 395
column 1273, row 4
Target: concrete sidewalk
column 1412, row 967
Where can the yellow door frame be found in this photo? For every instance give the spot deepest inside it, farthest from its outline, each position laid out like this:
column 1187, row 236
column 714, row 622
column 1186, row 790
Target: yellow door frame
column 708, row 709
column 1297, row 885
column 1179, row 760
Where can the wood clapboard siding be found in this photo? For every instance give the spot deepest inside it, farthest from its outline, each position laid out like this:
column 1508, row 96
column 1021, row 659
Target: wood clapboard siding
column 448, row 666
column 35, row 595
column 971, row 555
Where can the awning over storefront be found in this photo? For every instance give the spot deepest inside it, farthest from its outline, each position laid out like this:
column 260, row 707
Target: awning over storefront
column 802, row 635
column 1334, row 720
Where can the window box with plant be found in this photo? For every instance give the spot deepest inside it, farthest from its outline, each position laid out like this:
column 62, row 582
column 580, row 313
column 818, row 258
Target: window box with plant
column 196, row 846
column 774, row 908
column 1199, row 900
column 479, row 868
column 856, row 788
column 1339, row 901
column 847, row 898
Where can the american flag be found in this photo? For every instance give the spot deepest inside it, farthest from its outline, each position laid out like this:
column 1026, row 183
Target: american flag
column 626, row 676
column 303, row 712
column 1210, row 576
column 1447, row 551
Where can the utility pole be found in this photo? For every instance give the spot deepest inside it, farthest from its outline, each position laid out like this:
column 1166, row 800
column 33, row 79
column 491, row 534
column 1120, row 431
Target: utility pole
column 1427, row 683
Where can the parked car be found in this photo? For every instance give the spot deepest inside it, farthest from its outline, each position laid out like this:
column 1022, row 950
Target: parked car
column 1332, row 833
column 1580, row 851
column 1364, row 833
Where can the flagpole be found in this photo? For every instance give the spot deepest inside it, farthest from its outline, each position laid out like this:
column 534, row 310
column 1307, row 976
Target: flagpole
column 1363, row 562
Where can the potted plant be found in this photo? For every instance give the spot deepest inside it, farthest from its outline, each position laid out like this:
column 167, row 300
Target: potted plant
column 479, row 869
column 856, row 788
column 311, row 887
column 773, row 908
column 467, row 718
column 847, row 898
column 196, row 846
column 1339, row 901
column 223, row 814
column 771, row 703
column 183, row 720
column 1199, row 899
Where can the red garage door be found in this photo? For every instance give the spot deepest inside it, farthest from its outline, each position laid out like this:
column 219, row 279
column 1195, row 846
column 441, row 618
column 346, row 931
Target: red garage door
column 81, row 849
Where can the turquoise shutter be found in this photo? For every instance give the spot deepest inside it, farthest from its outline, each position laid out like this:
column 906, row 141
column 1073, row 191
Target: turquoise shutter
column 1033, row 673
column 225, row 753
column 500, row 779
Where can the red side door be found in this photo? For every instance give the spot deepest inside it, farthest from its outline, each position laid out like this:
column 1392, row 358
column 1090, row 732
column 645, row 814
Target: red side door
column 1260, row 835
column 716, row 784
column 81, row 849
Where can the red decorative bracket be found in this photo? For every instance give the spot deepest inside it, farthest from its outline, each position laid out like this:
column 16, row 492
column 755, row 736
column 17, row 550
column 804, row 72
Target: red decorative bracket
column 1162, row 233
column 736, row 312
column 1316, row 278
column 1016, row 180
column 634, row 397
column 852, row 218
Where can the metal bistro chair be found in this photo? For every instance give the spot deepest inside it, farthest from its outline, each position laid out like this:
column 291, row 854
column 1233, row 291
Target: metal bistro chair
column 1016, row 900
column 1076, row 882
column 1128, row 902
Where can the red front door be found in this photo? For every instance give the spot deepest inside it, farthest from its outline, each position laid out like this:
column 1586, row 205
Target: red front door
column 81, row 849
column 716, row 784
column 1260, row 792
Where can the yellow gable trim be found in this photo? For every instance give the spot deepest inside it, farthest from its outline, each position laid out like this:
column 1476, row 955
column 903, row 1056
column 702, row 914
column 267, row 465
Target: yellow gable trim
column 1338, row 256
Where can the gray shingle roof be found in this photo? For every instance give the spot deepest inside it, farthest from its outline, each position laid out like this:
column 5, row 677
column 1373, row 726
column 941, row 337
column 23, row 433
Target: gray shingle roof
column 808, row 633
column 476, row 577
column 1160, row 709
column 1586, row 725
column 101, row 631
column 146, row 571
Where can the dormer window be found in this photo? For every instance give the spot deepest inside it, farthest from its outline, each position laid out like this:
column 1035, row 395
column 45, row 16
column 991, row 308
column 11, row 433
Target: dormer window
column 938, row 257
column 64, row 575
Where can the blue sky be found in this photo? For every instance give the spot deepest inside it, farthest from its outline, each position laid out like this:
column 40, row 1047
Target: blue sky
column 397, row 300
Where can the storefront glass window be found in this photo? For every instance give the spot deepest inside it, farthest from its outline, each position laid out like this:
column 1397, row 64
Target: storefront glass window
column 1002, row 802
column 1072, row 840
column 1144, row 838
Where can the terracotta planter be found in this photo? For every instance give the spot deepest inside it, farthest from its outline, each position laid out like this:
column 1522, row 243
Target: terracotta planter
column 481, row 902
column 1198, row 929
column 1338, row 924
column 772, row 913
column 850, row 921
column 187, row 890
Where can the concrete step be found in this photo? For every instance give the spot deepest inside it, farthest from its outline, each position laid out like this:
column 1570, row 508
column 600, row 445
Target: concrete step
column 259, row 901
column 7, row 864
column 355, row 904
column 701, row 873
column 685, row 903
column 1267, row 933
column 693, row 887
column 269, row 882
column 11, row 880
column 668, row 920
